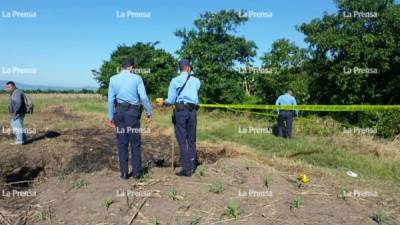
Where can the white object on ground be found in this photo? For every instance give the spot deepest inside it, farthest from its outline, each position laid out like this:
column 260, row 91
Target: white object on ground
column 351, row 174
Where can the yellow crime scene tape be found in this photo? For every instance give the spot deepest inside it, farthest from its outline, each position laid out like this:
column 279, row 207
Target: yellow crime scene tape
column 319, row 108
column 314, row 108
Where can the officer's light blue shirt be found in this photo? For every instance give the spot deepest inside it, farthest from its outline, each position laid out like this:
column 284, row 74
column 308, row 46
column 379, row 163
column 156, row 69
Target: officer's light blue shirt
column 127, row 87
column 286, row 99
column 189, row 93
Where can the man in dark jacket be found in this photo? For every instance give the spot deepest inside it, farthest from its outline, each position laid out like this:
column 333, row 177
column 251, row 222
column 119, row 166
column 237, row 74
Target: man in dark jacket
column 17, row 110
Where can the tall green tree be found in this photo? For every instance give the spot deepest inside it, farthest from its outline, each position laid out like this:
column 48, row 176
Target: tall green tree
column 283, row 68
column 355, row 53
column 215, row 51
column 155, row 65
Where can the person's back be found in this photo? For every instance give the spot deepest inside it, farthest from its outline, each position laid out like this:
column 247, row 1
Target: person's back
column 126, row 87
column 188, row 94
column 286, row 115
column 123, row 84
column 126, row 94
column 183, row 94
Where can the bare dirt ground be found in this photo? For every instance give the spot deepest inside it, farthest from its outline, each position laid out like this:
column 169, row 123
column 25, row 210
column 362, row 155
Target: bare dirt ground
column 71, row 176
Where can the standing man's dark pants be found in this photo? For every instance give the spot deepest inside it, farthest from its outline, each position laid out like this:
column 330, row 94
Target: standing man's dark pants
column 127, row 121
column 185, row 131
column 285, row 116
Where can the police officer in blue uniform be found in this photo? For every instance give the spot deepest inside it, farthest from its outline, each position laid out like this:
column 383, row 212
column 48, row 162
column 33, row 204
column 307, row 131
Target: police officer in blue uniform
column 183, row 94
column 126, row 95
column 286, row 116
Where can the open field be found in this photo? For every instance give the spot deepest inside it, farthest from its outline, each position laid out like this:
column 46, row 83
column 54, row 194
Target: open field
column 71, row 169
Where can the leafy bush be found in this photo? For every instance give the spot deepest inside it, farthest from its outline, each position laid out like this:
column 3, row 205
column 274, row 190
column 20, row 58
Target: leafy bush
column 388, row 125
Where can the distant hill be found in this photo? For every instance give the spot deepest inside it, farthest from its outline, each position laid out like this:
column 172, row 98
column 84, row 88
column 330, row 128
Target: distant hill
column 45, row 87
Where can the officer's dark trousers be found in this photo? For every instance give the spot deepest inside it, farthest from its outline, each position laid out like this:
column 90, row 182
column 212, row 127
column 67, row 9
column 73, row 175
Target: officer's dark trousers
column 287, row 117
column 127, row 121
column 185, row 131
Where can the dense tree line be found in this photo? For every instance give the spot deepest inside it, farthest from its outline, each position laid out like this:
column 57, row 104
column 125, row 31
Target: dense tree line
column 353, row 57
column 156, row 66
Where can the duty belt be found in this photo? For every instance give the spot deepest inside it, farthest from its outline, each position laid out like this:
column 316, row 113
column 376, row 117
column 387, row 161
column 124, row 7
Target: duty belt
column 126, row 106
column 180, row 106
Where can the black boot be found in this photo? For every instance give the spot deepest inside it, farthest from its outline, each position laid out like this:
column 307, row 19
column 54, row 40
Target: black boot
column 124, row 176
column 184, row 173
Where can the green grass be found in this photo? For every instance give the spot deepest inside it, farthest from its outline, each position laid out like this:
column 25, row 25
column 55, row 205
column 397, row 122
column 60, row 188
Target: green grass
column 154, row 221
column 233, row 210
column 41, row 216
column 379, row 217
column 200, row 171
column 312, row 143
column 297, row 203
column 267, row 181
column 107, row 203
column 172, row 194
column 80, row 183
column 145, row 176
column 195, row 220
column 89, row 107
column 217, row 187
column 316, row 151
column 86, row 107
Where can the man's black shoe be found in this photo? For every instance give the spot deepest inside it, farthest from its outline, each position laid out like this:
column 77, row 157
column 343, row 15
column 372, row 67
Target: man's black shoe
column 184, row 173
column 193, row 171
column 137, row 177
column 124, row 176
